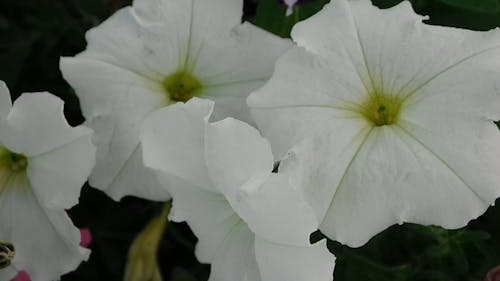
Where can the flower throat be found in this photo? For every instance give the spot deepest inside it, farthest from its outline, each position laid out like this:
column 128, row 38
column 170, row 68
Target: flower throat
column 181, row 86
column 381, row 109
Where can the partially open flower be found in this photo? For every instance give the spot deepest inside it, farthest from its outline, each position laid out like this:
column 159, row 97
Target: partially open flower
column 251, row 224
column 43, row 164
column 395, row 119
column 155, row 54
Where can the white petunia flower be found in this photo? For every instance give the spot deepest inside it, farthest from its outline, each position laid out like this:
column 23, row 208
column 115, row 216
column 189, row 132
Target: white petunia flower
column 404, row 116
column 43, row 164
column 152, row 55
column 251, row 224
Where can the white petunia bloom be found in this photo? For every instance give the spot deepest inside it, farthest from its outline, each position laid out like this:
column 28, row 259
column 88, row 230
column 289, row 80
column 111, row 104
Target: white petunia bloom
column 251, row 224
column 152, row 55
column 43, row 164
column 402, row 113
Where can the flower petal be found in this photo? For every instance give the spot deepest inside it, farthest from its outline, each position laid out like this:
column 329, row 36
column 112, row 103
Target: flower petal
column 394, row 179
column 240, row 162
column 126, row 42
column 187, row 24
column 218, row 67
column 466, row 94
column 36, row 231
column 286, row 115
column 135, row 179
column 207, row 213
column 236, row 258
column 276, row 210
column 311, row 167
column 5, row 101
column 282, row 262
column 235, row 152
column 57, row 176
column 104, row 89
column 173, row 141
column 36, row 125
column 116, row 117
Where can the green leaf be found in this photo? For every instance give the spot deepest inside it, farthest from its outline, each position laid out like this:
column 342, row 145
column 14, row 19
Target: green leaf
column 482, row 6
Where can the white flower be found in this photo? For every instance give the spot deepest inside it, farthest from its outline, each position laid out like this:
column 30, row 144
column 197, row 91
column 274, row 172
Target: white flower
column 404, row 116
column 156, row 53
column 43, row 164
column 251, row 224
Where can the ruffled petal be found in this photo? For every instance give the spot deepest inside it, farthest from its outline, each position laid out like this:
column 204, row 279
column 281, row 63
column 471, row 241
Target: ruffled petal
column 235, row 152
column 57, row 176
column 36, row 125
column 276, row 210
column 173, row 141
column 207, row 213
column 284, row 262
column 224, row 81
column 392, row 179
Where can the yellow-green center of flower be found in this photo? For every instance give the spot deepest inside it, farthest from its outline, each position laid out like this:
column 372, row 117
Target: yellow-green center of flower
column 181, row 86
column 382, row 109
column 12, row 162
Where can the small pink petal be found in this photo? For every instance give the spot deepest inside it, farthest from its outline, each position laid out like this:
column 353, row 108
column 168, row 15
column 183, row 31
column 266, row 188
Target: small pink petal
column 86, row 239
column 494, row 274
column 22, row 276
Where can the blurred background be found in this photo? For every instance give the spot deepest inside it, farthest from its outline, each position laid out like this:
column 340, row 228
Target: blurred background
column 35, row 33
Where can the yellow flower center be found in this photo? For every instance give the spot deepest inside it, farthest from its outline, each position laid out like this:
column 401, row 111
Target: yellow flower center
column 12, row 161
column 12, row 170
column 181, row 86
column 382, row 109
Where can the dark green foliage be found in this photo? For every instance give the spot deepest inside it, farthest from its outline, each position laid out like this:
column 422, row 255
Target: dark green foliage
column 35, row 33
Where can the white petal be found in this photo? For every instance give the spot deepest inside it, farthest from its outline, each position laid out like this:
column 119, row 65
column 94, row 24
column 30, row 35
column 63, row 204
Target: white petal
column 394, row 179
column 135, row 179
column 281, row 262
column 46, row 242
column 394, row 40
column 184, row 26
column 36, row 124
column 5, row 101
column 292, row 106
column 208, row 214
column 276, row 210
column 218, row 67
column 235, row 152
column 464, row 141
column 317, row 164
column 115, row 103
column 124, row 41
column 58, row 175
column 104, row 89
column 173, row 141
column 335, row 38
column 236, row 258
column 454, row 112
